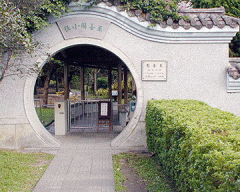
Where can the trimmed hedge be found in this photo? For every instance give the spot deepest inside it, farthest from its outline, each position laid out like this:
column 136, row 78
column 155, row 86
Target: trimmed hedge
column 198, row 146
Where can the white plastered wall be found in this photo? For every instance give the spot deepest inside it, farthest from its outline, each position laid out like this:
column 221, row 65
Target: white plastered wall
column 195, row 71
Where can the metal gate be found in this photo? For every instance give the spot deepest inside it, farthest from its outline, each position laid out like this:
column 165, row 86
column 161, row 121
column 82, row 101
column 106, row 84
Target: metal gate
column 83, row 115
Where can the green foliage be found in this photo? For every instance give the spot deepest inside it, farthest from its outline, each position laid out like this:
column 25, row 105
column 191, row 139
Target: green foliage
column 21, row 171
column 197, row 145
column 235, row 46
column 102, row 82
column 12, row 28
column 115, row 85
column 102, row 92
column 232, row 7
column 159, row 9
column 20, row 18
column 38, row 18
column 75, row 82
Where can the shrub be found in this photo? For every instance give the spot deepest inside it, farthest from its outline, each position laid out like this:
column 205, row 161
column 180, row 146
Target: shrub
column 198, row 146
column 102, row 92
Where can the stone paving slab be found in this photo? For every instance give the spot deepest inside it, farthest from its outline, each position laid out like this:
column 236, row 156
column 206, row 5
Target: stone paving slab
column 82, row 163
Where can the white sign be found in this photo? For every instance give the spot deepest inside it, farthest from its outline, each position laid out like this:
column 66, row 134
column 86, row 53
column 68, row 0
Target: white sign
column 104, row 109
column 154, row 70
column 114, row 92
column 83, row 27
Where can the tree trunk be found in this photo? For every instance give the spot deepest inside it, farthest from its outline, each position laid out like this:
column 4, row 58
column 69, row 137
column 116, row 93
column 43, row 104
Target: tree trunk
column 45, row 89
column 82, row 83
column 125, row 86
column 5, row 62
column 119, row 83
column 57, row 82
column 110, row 84
column 46, row 84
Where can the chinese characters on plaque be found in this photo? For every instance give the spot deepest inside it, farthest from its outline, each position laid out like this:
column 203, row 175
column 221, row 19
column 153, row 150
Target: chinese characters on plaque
column 154, row 70
column 83, row 27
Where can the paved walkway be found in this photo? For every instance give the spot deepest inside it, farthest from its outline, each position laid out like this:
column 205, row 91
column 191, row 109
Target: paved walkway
column 83, row 163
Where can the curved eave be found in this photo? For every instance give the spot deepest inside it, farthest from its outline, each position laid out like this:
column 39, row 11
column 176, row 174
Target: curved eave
column 156, row 34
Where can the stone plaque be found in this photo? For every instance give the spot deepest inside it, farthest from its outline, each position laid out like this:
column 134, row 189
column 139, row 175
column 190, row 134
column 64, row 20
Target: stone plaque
column 83, row 27
column 154, row 70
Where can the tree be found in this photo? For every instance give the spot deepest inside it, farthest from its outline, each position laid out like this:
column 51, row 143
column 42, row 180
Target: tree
column 14, row 37
column 18, row 19
column 48, row 71
column 232, row 7
column 235, row 46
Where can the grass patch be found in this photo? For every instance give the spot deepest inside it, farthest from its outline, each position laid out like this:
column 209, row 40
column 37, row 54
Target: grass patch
column 47, row 115
column 119, row 177
column 145, row 167
column 21, row 171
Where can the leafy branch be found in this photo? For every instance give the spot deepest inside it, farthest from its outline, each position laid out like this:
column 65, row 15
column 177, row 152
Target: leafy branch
column 18, row 19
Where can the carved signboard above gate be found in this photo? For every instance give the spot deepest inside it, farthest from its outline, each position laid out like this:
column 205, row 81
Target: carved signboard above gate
column 154, row 70
column 83, row 27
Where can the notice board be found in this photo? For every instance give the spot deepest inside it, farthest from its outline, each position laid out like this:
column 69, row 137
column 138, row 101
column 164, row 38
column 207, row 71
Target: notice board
column 104, row 110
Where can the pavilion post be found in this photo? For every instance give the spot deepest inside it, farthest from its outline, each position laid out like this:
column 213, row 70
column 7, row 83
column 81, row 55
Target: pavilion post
column 66, row 83
column 110, row 83
column 119, row 83
column 125, row 86
column 82, row 83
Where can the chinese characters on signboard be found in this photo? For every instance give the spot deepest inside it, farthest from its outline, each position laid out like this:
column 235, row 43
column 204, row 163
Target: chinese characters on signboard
column 154, row 70
column 83, row 27
column 104, row 109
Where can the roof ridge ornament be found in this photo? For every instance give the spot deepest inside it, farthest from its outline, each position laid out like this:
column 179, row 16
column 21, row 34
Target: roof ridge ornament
column 233, row 69
column 218, row 10
column 234, row 72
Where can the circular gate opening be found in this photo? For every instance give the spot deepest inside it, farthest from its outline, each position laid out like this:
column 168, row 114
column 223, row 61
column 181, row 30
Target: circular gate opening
column 90, row 78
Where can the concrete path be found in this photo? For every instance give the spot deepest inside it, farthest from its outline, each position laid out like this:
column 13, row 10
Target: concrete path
column 83, row 163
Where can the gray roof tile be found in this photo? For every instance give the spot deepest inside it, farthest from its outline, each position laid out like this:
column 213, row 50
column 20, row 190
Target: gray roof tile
column 198, row 18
